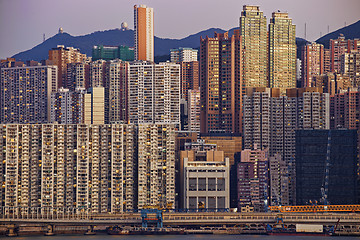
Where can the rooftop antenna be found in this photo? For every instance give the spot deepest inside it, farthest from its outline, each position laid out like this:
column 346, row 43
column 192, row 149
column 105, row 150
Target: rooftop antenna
column 320, row 34
column 44, row 37
column 328, row 29
column 305, row 31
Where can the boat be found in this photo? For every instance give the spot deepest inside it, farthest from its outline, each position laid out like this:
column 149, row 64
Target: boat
column 157, row 231
column 279, row 228
column 116, row 230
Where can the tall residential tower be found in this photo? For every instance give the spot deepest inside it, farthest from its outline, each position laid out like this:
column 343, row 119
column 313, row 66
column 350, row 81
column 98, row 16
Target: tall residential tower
column 282, row 52
column 220, row 74
column 144, row 33
column 254, row 44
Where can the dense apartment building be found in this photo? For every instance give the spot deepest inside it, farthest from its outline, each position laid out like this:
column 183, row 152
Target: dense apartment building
column 153, row 92
column 327, row 82
column 124, row 53
column 67, row 107
column 312, row 57
column 333, row 83
column 270, row 121
column 194, row 110
column 327, row 60
column 97, row 73
column 25, row 93
column 350, row 66
column 156, row 165
column 87, row 167
column 117, row 88
column 339, row 47
column 61, row 56
column 220, row 85
column 77, row 76
column 254, row 44
column 253, row 179
column 326, row 165
column 189, row 78
column 345, row 109
column 282, row 52
column 144, row 33
column 183, row 55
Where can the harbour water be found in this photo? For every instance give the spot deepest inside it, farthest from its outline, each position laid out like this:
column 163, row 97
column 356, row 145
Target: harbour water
column 178, row 237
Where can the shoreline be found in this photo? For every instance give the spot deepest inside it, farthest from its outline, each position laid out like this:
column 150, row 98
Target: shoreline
column 82, row 230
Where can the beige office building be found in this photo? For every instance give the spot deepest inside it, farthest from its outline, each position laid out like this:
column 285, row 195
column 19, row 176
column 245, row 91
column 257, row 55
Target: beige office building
column 205, row 181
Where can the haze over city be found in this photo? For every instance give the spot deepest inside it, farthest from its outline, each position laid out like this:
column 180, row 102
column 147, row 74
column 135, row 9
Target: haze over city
column 23, row 23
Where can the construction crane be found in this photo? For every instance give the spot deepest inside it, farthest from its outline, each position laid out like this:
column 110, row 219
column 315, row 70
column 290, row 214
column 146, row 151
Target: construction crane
column 325, row 184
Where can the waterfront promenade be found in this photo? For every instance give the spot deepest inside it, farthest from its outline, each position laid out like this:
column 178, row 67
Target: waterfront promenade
column 21, row 220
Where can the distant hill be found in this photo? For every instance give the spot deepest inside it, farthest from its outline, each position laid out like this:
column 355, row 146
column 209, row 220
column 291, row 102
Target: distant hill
column 116, row 37
column 350, row 32
column 300, row 42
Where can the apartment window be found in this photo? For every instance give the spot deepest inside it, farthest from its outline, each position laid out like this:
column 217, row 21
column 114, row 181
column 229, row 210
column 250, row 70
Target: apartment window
column 192, row 184
column 211, row 184
column 212, row 202
column 192, row 203
column 220, row 202
column 221, row 184
column 202, row 184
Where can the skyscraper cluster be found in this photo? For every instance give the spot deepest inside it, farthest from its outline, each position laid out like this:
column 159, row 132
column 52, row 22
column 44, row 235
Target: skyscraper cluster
column 219, row 127
column 339, row 59
column 252, row 57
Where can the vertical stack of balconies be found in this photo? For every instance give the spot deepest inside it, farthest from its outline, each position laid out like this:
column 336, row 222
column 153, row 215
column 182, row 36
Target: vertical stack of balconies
column 70, row 165
column 82, row 168
column 59, row 152
column 35, row 165
column 24, row 165
column 11, row 167
column 47, row 167
column 117, row 170
column 94, row 167
column 130, row 158
column 104, row 178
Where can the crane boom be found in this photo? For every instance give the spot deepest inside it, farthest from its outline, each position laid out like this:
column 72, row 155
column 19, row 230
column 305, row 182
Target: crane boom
column 325, row 185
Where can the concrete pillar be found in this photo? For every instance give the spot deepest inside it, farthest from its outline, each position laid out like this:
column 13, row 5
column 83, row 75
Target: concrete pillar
column 90, row 230
column 11, row 230
column 50, row 231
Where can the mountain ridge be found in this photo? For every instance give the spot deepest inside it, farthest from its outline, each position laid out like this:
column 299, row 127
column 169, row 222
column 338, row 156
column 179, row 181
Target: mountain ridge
column 350, row 32
column 116, row 37
column 112, row 37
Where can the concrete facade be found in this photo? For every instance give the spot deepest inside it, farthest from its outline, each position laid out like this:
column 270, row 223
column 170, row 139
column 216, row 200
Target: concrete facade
column 206, row 183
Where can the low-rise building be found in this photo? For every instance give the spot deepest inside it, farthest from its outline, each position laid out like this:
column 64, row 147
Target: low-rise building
column 205, row 178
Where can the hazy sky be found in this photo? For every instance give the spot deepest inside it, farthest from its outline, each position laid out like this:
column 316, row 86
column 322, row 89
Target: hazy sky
column 23, row 22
